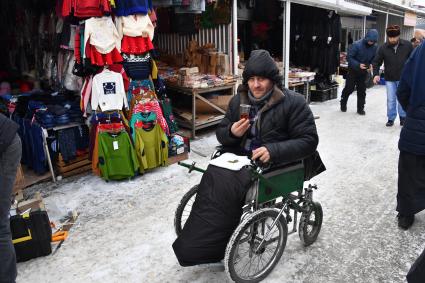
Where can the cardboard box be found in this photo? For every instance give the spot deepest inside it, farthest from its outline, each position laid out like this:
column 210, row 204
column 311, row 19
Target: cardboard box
column 221, row 101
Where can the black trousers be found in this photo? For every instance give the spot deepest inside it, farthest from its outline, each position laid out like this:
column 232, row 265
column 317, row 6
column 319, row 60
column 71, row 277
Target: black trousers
column 411, row 183
column 355, row 79
column 9, row 161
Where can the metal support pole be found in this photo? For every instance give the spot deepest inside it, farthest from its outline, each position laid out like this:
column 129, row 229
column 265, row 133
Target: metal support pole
column 364, row 26
column 386, row 24
column 235, row 36
column 46, row 151
column 286, row 39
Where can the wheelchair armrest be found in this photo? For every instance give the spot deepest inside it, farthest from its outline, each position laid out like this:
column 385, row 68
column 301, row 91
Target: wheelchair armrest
column 280, row 166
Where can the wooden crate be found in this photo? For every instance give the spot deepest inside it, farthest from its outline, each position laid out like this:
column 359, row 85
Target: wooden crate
column 79, row 165
column 177, row 158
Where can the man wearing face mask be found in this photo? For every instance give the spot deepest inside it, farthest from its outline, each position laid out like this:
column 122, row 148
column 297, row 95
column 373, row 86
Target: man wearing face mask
column 394, row 53
column 360, row 57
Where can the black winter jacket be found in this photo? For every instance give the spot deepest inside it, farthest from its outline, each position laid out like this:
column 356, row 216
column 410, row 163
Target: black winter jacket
column 286, row 125
column 393, row 60
column 8, row 130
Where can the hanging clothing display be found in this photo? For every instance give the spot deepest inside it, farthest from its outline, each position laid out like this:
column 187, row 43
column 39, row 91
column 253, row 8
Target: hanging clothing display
column 152, row 145
column 85, row 8
column 87, row 59
column 108, row 91
column 152, row 106
column 137, row 67
column 103, row 41
column 132, row 7
column 135, row 25
column 117, row 158
column 315, row 38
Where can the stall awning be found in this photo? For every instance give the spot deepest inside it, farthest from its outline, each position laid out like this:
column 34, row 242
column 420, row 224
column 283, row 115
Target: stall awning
column 325, row 4
column 405, row 7
column 337, row 5
column 353, row 9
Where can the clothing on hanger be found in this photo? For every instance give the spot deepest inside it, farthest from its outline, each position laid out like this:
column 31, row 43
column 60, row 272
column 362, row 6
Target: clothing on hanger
column 108, row 91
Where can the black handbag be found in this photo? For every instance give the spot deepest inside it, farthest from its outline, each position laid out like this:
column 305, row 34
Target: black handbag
column 31, row 235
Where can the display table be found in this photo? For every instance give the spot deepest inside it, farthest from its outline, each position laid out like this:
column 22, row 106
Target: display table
column 46, row 147
column 297, row 79
column 196, row 93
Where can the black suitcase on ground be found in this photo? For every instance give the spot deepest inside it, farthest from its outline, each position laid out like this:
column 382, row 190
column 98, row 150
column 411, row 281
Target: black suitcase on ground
column 31, row 235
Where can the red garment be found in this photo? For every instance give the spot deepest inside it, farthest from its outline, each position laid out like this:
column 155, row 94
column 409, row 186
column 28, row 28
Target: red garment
column 136, row 45
column 77, row 45
column 86, row 8
column 99, row 59
column 153, row 106
column 113, row 127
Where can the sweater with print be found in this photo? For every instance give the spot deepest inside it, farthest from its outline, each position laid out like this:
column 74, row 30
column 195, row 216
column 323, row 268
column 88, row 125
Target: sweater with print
column 108, row 91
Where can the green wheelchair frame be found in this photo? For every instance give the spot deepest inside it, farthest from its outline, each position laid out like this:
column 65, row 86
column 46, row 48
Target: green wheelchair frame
column 269, row 202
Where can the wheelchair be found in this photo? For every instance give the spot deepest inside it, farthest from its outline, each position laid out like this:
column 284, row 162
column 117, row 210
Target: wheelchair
column 276, row 197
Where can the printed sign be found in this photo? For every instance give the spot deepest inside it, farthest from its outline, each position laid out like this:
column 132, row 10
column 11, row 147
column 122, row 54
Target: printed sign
column 410, row 19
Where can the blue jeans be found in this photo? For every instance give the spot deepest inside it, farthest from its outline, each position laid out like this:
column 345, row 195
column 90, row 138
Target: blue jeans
column 392, row 103
column 9, row 161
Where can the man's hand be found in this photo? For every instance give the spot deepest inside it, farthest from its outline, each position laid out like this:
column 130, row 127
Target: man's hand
column 261, row 153
column 376, row 79
column 363, row 67
column 240, row 127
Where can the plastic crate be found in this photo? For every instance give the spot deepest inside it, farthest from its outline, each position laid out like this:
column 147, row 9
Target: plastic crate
column 320, row 95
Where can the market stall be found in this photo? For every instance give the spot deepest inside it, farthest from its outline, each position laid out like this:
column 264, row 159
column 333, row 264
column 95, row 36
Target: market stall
column 82, row 83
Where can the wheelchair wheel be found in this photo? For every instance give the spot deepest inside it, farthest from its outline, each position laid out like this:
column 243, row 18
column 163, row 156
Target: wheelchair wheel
column 245, row 260
column 184, row 209
column 310, row 223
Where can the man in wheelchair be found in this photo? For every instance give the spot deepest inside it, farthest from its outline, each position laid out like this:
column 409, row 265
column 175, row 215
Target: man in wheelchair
column 278, row 128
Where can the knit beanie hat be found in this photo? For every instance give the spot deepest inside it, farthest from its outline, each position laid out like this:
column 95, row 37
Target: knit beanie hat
column 261, row 64
column 393, row 31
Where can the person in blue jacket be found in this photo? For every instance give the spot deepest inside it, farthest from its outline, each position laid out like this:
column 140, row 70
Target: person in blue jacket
column 411, row 164
column 360, row 57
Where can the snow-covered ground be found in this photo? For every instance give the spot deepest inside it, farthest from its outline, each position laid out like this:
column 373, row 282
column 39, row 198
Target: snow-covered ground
column 125, row 229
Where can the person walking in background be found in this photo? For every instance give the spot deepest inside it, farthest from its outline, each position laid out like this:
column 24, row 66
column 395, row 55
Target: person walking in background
column 411, row 164
column 360, row 57
column 10, row 156
column 394, row 53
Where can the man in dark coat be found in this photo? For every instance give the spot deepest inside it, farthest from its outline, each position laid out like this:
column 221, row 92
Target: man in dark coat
column 394, row 53
column 280, row 127
column 411, row 166
column 360, row 57
column 10, row 156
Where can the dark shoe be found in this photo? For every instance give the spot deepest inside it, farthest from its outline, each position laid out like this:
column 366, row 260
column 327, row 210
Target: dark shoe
column 390, row 123
column 361, row 112
column 402, row 120
column 405, row 221
column 343, row 107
